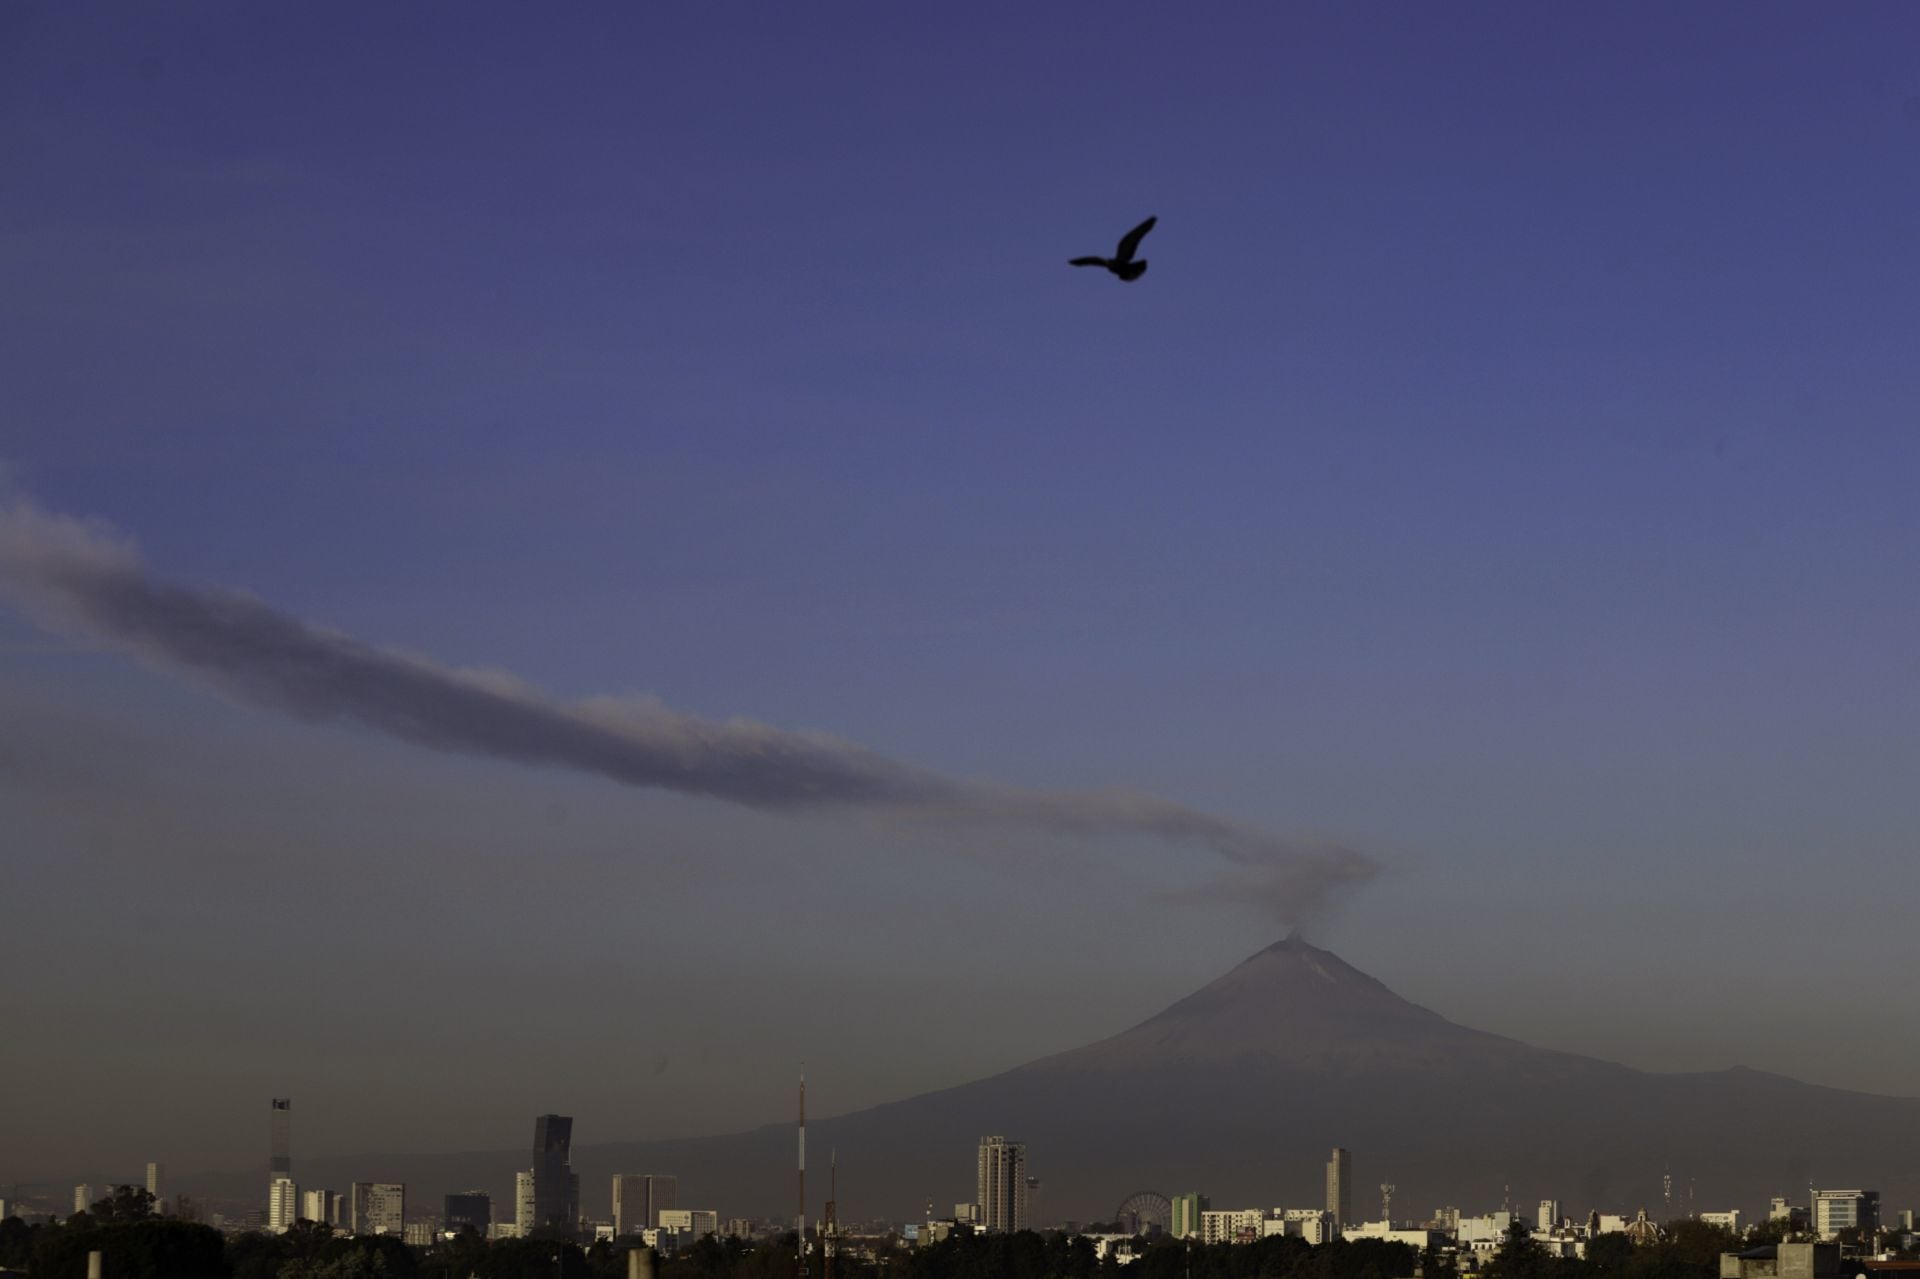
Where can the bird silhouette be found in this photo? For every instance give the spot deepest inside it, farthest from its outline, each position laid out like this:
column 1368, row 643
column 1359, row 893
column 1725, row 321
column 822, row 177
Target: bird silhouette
column 1122, row 263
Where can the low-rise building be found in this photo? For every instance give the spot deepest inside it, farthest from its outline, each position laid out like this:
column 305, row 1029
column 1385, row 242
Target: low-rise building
column 1783, row 1261
column 1835, row 1211
column 694, row 1223
column 1233, row 1225
column 1418, row 1238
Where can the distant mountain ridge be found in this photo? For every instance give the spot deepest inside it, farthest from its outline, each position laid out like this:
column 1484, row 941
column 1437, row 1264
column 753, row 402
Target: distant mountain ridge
column 1240, row 1089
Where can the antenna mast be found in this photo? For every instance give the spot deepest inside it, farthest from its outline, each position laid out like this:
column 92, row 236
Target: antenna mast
column 801, row 1242
column 1386, row 1203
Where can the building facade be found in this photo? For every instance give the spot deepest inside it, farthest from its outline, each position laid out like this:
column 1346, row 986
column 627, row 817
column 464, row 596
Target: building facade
column 1235, row 1225
column 320, row 1205
column 283, row 1205
column 556, row 1187
column 1838, row 1210
column 523, row 1204
column 690, row 1223
column 1187, row 1208
column 1002, row 1185
column 640, row 1198
column 378, row 1208
column 468, row 1210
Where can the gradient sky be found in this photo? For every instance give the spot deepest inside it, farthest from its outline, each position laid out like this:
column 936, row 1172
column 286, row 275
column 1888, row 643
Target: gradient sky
column 1506, row 467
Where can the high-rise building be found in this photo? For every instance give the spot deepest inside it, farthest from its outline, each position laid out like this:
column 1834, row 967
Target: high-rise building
column 472, row 1210
column 1838, row 1210
column 378, row 1208
column 1340, row 1187
column 1549, row 1215
column 82, row 1198
column 280, row 1162
column 322, row 1206
column 1002, row 1184
column 153, row 1181
column 640, row 1198
column 1186, row 1214
column 280, row 1152
column 283, row 1204
column 556, row 1187
column 524, row 1217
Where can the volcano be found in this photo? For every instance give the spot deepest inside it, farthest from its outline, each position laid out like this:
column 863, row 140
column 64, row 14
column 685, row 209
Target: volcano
column 1239, row 1091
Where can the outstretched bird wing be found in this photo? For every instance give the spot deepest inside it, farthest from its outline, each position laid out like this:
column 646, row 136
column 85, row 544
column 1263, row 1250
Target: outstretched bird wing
column 1088, row 262
column 1131, row 240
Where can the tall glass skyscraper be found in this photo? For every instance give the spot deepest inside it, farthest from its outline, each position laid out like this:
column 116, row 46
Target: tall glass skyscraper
column 556, row 1188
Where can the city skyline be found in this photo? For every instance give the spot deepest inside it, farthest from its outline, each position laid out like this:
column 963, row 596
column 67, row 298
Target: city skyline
column 1343, row 1035
column 1484, row 539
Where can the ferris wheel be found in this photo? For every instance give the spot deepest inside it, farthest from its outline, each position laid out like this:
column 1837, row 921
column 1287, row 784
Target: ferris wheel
column 1145, row 1213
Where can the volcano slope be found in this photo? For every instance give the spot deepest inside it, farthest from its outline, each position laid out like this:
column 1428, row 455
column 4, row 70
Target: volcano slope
column 1240, row 1089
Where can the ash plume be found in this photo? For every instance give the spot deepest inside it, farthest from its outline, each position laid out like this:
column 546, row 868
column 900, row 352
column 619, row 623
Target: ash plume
column 82, row 579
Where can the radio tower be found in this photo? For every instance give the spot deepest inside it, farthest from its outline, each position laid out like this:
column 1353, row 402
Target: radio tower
column 802, row 1243
column 1386, row 1203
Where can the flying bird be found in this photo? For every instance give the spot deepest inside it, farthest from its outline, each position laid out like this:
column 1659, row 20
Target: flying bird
column 1122, row 263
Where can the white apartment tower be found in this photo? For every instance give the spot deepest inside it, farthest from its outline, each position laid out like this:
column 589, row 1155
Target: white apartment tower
column 283, row 1204
column 526, row 1213
column 1003, row 1185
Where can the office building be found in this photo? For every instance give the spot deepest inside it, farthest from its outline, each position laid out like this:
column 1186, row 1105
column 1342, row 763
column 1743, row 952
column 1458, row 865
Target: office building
column 1186, row 1214
column 556, row 1187
column 82, row 1198
column 1002, row 1183
column 378, row 1208
column 640, row 1198
column 1838, row 1210
column 1340, row 1188
column 690, row 1223
column 1549, row 1215
column 1724, row 1220
column 470, row 1210
column 153, row 1182
column 283, row 1204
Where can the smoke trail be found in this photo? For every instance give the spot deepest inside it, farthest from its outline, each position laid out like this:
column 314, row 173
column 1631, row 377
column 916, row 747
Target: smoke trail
column 81, row 579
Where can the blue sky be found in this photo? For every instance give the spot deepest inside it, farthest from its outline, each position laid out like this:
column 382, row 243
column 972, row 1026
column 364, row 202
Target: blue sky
column 1506, row 465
